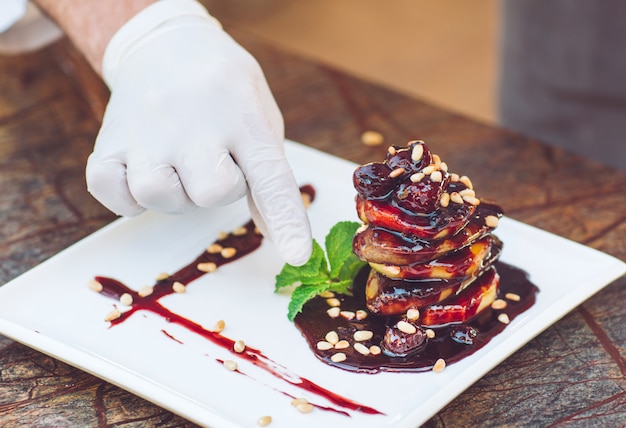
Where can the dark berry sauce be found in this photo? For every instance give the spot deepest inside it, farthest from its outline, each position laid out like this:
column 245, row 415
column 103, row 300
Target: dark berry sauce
column 243, row 243
column 452, row 343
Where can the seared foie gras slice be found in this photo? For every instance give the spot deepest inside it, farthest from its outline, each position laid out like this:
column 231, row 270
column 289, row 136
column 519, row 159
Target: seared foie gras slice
column 386, row 296
column 457, row 264
column 464, row 306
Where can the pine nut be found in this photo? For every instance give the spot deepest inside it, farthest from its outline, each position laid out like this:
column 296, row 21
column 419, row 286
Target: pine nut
column 299, row 400
column 264, row 421
column 342, row 344
column 429, row 169
column 406, row 327
column 322, row 345
column 491, row 221
column 361, row 349
column 440, row 364
column 306, row 199
column 145, row 291
column 214, row 248
column 113, row 315
column 333, row 312
column 332, row 337
column 361, row 314
column 417, row 177
column 334, row 302
column 305, row 407
column 327, row 294
column 443, row 167
column 338, row 357
column 222, row 235
column 504, row 318
column 240, row 231
column 239, row 346
column 126, row 299
column 391, row 150
column 471, row 200
column 179, row 287
column 467, row 192
column 430, row 333
column 230, row 365
column 349, row 315
column 444, row 201
column 512, row 297
column 436, row 176
column 361, row 335
column 95, row 286
column 412, row 314
column 162, row 276
column 456, row 198
column 207, row 267
column 396, row 172
column 375, row 350
column 465, row 180
column 219, row 326
column 228, row 252
column 372, row 138
column 499, row 304
column 417, row 152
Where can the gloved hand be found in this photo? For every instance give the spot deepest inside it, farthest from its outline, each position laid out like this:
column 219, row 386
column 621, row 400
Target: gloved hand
column 191, row 122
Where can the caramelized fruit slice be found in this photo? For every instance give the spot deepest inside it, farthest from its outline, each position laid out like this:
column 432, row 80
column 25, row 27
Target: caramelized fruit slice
column 402, row 157
column 372, row 180
column 439, row 224
column 380, row 245
column 402, row 343
column 465, row 305
column 386, row 296
column 457, row 264
column 419, row 198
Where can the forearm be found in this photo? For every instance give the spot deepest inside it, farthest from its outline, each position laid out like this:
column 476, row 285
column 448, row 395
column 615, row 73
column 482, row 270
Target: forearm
column 90, row 24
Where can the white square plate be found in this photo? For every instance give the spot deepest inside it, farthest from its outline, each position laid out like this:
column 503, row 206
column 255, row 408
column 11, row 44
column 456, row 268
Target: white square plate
column 50, row 308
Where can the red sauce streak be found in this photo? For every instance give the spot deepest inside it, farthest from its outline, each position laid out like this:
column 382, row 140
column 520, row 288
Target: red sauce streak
column 172, row 337
column 244, row 243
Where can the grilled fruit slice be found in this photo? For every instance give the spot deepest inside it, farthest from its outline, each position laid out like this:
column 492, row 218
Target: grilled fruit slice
column 386, row 296
column 439, row 224
column 465, row 305
column 379, row 245
column 458, row 264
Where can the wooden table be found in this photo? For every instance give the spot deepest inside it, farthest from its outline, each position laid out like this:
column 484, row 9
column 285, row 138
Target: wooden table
column 50, row 105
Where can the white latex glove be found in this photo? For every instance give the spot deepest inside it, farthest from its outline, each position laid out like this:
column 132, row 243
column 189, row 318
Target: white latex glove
column 191, row 122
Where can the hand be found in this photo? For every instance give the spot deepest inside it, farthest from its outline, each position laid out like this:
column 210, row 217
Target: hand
column 191, row 122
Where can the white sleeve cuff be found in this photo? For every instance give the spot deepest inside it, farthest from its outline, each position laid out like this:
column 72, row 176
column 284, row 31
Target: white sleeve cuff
column 11, row 11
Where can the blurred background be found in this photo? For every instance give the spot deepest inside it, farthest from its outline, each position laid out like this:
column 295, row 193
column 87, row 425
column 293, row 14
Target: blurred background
column 443, row 51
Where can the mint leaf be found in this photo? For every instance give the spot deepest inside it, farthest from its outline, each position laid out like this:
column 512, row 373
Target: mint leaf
column 314, row 276
column 303, row 294
column 339, row 246
column 313, row 269
column 343, row 262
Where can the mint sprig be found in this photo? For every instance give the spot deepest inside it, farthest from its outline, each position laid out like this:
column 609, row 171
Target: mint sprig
column 333, row 271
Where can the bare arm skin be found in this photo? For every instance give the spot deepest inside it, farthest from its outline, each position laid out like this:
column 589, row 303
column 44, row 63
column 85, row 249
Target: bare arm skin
column 90, row 24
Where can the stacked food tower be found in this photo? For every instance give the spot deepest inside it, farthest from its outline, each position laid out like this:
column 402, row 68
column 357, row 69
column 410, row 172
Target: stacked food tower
column 428, row 240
